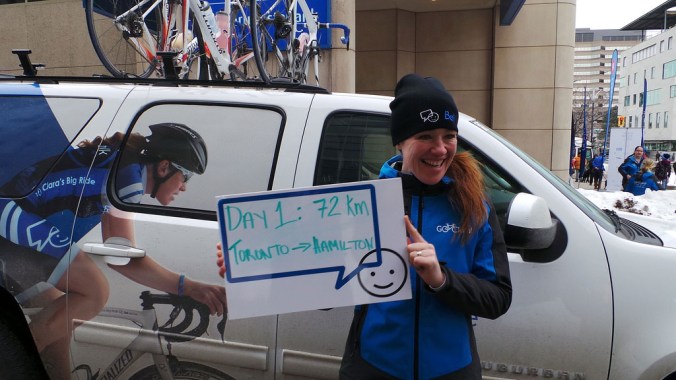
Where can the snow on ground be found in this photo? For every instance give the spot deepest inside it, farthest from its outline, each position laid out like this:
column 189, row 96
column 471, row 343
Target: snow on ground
column 655, row 210
column 657, row 204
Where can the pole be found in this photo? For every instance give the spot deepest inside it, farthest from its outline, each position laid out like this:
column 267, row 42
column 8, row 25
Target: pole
column 591, row 125
column 583, row 148
column 613, row 73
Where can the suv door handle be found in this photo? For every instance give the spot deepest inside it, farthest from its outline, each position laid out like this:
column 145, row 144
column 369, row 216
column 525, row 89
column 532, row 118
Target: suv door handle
column 114, row 246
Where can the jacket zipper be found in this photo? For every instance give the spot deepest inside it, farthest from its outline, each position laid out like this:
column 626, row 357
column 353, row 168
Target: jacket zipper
column 421, row 205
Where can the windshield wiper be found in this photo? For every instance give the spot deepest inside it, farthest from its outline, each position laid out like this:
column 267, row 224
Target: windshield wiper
column 615, row 218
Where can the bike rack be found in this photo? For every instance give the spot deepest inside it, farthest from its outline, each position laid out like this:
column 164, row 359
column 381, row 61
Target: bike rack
column 29, row 69
column 168, row 64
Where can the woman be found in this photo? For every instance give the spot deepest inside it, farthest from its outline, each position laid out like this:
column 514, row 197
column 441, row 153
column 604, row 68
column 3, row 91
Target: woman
column 158, row 165
column 644, row 179
column 458, row 274
column 631, row 166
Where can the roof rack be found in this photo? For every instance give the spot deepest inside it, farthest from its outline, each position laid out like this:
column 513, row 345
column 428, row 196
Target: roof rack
column 29, row 69
column 30, row 75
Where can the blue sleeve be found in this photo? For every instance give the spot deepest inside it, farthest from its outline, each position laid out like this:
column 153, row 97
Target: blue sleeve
column 129, row 183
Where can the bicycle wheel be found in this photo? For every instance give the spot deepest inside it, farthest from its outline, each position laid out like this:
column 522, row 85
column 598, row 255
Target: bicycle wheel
column 123, row 39
column 183, row 371
column 241, row 44
column 273, row 26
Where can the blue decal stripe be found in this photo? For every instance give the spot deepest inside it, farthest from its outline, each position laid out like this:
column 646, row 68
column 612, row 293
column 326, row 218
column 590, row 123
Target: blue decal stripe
column 21, row 89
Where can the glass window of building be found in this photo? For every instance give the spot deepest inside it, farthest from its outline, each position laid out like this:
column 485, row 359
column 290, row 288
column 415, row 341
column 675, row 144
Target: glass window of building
column 669, row 69
column 657, row 120
column 661, row 46
column 669, row 43
column 652, row 72
column 634, row 102
column 672, row 91
column 627, row 99
column 650, row 120
column 653, row 97
column 666, row 118
column 630, row 119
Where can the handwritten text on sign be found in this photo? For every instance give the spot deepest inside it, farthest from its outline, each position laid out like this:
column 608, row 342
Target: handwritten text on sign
column 296, row 234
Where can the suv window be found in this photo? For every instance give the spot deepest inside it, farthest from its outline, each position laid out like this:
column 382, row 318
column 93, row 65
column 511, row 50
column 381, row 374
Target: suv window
column 34, row 132
column 355, row 146
column 242, row 145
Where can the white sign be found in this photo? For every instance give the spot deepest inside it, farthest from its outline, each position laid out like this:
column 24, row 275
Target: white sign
column 622, row 143
column 314, row 248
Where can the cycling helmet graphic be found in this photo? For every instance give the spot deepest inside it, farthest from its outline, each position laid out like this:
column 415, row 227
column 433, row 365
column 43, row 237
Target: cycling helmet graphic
column 176, row 143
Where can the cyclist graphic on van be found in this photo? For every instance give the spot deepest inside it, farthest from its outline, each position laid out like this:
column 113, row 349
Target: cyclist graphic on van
column 38, row 232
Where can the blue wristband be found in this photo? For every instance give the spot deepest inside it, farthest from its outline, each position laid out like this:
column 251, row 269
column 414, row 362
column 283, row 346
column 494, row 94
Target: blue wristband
column 181, row 283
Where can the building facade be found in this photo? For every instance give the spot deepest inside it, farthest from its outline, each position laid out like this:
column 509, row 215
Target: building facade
column 649, row 79
column 593, row 54
column 511, row 78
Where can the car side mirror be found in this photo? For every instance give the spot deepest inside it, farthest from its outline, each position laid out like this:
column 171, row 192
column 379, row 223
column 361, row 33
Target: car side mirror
column 529, row 223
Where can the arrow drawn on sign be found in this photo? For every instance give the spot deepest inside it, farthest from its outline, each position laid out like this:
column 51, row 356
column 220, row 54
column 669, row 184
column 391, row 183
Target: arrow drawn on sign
column 304, row 246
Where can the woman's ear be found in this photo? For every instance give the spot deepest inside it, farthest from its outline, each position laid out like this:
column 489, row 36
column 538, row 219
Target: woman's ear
column 162, row 168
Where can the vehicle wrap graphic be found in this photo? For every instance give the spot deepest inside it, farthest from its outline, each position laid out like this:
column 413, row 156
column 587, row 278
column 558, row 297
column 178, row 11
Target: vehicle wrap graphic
column 26, row 140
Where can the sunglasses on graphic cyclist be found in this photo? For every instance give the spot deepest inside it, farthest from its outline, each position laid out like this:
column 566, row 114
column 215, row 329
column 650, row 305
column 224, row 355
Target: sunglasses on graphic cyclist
column 186, row 173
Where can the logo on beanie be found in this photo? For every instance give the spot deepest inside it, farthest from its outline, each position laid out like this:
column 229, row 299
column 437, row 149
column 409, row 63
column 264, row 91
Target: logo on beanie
column 449, row 116
column 429, row 115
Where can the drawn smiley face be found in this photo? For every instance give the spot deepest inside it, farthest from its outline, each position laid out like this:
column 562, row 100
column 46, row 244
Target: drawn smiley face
column 387, row 278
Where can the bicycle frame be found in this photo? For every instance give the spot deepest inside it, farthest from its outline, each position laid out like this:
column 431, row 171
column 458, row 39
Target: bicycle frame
column 303, row 46
column 175, row 24
column 139, row 346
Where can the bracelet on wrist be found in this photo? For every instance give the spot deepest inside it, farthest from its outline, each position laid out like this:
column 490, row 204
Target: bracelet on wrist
column 440, row 286
column 181, row 284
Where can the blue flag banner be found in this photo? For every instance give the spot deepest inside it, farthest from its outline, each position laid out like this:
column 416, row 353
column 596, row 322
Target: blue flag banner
column 583, row 148
column 613, row 73
column 645, row 102
column 571, row 170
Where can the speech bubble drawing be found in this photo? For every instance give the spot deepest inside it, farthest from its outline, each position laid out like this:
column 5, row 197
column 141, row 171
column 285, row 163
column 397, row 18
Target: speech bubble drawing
column 300, row 233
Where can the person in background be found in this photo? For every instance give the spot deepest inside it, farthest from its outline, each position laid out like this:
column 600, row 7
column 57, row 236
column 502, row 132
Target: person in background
column 597, row 171
column 631, row 166
column 663, row 170
column 644, row 179
column 576, row 166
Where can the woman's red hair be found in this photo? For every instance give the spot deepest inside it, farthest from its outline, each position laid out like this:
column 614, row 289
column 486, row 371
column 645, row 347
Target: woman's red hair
column 467, row 194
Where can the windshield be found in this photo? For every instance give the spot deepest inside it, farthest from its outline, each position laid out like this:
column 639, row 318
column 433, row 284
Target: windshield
column 578, row 199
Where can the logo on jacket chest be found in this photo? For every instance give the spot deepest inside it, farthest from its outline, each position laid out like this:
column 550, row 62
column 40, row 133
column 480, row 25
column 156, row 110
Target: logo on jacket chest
column 448, row 227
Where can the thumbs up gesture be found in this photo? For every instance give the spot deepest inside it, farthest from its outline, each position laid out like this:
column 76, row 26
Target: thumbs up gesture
column 423, row 257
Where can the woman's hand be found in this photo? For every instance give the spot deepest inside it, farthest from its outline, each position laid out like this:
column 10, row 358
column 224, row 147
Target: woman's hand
column 423, row 257
column 211, row 295
column 220, row 261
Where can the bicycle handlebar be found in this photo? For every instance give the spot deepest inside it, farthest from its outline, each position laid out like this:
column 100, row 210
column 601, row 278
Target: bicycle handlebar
column 345, row 39
column 176, row 332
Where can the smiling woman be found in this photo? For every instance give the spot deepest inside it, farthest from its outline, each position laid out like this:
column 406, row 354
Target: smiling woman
column 457, row 271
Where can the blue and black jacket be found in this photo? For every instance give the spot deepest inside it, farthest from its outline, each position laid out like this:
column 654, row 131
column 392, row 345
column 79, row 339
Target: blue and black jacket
column 642, row 181
column 430, row 336
column 629, row 167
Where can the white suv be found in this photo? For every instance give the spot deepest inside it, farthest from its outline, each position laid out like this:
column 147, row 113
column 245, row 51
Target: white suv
column 593, row 293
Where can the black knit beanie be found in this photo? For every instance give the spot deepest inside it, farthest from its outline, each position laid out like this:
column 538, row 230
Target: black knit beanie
column 421, row 104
